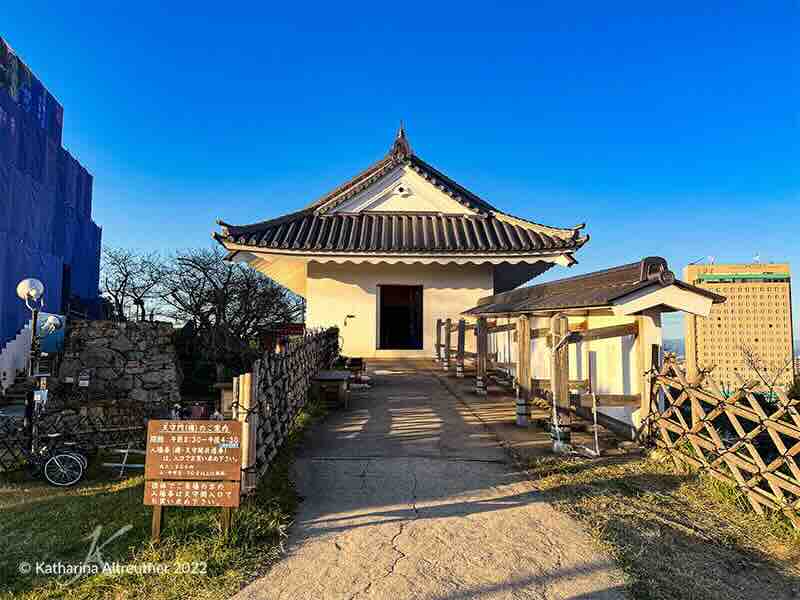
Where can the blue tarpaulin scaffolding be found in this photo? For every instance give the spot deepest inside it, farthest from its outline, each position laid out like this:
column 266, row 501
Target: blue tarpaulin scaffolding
column 46, row 227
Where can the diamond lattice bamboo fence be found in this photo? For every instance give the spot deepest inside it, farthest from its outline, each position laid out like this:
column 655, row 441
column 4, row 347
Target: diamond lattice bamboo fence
column 750, row 438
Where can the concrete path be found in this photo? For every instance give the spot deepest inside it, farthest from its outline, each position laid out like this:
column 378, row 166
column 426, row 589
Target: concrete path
column 407, row 495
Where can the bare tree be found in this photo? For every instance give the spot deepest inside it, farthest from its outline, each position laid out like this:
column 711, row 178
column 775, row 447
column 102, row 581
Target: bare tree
column 229, row 305
column 766, row 376
column 129, row 279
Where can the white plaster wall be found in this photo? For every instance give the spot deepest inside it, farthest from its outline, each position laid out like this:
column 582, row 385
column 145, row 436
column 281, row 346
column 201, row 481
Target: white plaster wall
column 504, row 345
column 335, row 291
column 418, row 195
column 610, row 364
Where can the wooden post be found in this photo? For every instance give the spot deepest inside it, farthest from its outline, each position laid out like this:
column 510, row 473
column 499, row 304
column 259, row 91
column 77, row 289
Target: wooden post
column 482, row 348
column 446, row 364
column 248, row 389
column 438, row 340
column 155, row 529
column 235, row 400
column 226, row 518
column 523, row 370
column 648, row 356
column 692, row 370
column 243, row 406
column 460, row 341
column 561, row 433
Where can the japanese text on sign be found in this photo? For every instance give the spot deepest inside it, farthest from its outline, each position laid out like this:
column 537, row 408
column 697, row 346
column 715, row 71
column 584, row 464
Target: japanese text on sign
column 191, row 493
column 193, row 450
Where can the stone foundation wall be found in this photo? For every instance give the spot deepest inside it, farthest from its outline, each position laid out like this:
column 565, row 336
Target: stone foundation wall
column 125, row 361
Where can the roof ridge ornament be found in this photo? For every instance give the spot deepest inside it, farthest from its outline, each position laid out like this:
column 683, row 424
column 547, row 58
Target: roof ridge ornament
column 654, row 268
column 400, row 148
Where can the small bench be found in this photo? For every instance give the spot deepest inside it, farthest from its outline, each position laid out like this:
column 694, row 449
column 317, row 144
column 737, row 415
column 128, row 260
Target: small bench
column 332, row 387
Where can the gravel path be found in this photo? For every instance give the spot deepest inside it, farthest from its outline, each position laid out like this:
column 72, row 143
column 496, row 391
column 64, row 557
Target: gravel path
column 408, row 496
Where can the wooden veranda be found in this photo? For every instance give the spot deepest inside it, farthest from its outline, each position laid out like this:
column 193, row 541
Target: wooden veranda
column 571, row 396
column 580, row 344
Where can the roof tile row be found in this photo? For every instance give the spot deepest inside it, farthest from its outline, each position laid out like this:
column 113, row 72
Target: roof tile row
column 600, row 288
column 400, row 232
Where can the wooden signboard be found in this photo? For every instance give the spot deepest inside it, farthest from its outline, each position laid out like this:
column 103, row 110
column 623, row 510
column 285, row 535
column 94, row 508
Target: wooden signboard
column 194, row 450
column 192, row 493
column 192, row 464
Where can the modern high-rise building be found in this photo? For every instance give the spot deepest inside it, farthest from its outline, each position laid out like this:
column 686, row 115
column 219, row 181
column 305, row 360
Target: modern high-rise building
column 756, row 317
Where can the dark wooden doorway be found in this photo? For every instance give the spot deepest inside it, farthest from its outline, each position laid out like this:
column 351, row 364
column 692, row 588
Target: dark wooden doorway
column 400, row 317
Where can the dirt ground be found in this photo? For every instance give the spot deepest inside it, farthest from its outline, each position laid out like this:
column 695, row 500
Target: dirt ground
column 408, row 495
column 676, row 533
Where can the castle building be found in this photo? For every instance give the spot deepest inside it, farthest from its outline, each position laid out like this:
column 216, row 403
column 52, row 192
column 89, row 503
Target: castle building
column 395, row 248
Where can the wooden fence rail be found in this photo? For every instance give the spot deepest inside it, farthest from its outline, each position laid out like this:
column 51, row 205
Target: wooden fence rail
column 513, row 362
column 268, row 399
column 749, row 439
column 446, row 353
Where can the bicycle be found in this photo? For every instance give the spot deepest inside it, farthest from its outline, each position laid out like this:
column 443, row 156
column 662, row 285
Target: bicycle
column 60, row 467
column 60, row 464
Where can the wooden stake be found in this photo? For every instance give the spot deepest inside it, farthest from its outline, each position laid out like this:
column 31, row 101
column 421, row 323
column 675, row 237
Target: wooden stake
column 155, row 529
column 460, row 341
column 559, row 383
column 482, row 343
column 249, row 386
column 438, row 340
column 446, row 365
column 523, row 370
column 226, row 518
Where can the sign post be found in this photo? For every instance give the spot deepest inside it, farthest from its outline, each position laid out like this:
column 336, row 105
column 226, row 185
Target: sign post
column 192, row 464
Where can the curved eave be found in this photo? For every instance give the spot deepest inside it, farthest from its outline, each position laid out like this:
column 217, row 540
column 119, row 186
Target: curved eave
column 229, row 229
column 572, row 245
column 563, row 257
column 570, row 232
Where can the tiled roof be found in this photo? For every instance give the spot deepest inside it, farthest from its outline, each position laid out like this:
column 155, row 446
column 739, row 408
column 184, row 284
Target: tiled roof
column 600, row 288
column 486, row 230
column 400, row 232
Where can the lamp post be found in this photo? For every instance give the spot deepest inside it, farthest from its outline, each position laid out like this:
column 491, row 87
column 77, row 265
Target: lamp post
column 31, row 291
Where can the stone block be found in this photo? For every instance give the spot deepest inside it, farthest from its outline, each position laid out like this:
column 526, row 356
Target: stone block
column 122, row 344
column 130, row 361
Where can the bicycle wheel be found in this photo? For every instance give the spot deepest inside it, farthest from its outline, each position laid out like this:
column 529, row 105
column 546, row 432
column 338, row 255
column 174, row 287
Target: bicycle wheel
column 63, row 470
column 79, row 455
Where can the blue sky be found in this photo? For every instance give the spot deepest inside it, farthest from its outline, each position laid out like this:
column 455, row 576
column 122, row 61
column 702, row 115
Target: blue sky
column 670, row 131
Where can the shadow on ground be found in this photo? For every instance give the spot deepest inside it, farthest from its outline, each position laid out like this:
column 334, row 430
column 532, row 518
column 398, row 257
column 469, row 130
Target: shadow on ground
column 402, row 454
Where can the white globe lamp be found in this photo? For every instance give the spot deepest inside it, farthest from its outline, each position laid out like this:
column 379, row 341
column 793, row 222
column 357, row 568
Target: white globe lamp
column 30, row 289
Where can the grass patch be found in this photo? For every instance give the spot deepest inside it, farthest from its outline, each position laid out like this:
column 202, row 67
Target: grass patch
column 675, row 533
column 39, row 523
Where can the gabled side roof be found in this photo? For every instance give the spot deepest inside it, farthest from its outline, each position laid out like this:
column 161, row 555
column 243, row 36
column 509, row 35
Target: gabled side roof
column 598, row 289
column 318, row 228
